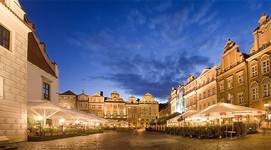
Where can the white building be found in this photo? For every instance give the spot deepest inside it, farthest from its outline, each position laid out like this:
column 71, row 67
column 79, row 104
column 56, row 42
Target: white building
column 13, row 71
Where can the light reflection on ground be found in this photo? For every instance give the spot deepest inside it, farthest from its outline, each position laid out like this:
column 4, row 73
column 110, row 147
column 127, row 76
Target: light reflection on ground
column 111, row 140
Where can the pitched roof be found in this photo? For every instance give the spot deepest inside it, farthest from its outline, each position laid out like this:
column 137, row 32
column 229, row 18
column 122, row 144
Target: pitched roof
column 37, row 55
column 69, row 92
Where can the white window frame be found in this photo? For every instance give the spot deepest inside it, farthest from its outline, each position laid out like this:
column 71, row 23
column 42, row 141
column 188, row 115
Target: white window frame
column 241, row 97
column 254, row 71
column 265, row 67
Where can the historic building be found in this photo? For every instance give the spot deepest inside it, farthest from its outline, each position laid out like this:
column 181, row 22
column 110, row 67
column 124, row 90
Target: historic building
column 96, row 104
column 190, row 93
column 13, row 70
column 148, row 110
column 232, row 76
column 173, row 100
column 259, row 75
column 164, row 109
column 176, row 100
column 206, row 88
column 68, row 100
column 132, row 112
column 114, row 107
column 83, row 102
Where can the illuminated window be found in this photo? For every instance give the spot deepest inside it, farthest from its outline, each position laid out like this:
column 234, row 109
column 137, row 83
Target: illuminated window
column 266, row 88
column 240, row 77
column 229, row 82
column 221, row 86
column 254, row 71
column 265, row 66
column 4, row 37
column 254, row 91
column 240, row 97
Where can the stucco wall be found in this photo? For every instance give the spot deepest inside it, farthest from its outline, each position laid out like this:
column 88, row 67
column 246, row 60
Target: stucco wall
column 35, row 80
column 13, row 72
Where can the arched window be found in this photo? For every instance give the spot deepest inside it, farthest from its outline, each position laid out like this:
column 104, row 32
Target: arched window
column 254, row 91
column 266, row 87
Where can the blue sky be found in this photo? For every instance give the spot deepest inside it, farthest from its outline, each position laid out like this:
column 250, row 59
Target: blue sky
column 139, row 46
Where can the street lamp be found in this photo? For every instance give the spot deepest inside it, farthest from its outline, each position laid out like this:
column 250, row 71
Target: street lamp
column 267, row 108
column 61, row 122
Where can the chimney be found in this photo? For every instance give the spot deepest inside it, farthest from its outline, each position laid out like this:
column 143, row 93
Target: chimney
column 101, row 93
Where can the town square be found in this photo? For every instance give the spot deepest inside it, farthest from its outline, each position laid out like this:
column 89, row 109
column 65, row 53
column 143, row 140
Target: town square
column 135, row 74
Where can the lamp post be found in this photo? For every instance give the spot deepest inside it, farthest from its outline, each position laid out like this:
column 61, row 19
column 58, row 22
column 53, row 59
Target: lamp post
column 61, row 122
column 39, row 119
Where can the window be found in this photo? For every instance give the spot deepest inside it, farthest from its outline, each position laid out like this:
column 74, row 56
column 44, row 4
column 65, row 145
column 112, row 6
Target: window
column 229, row 82
column 4, row 37
column 254, row 71
column 221, row 86
column 240, row 77
column 265, row 66
column 230, row 98
column 93, row 106
column 266, row 88
column 241, row 97
column 254, row 91
column 46, row 91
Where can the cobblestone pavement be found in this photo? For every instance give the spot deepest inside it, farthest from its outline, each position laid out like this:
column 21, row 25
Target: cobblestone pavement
column 111, row 140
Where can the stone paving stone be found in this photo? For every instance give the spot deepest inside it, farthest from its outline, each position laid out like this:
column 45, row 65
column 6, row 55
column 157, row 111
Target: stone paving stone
column 148, row 141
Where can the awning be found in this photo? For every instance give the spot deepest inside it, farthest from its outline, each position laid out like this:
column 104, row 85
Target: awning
column 225, row 110
column 47, row 109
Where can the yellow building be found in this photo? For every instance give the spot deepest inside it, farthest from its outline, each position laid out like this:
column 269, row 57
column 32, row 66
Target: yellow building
column 232, row 76
column 190, row 93
column 114, row 107
column 206, row 88
column 148, row 110
column 82, row 102
column 259, row 65
column 67, row 100
column 173, row 100
column 132, row 112
column 96, row 104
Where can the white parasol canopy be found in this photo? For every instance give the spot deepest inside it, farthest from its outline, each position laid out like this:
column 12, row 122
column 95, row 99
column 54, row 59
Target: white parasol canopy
column 225, row 110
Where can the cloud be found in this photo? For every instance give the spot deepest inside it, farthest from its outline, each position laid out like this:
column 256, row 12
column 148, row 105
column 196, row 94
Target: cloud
column 152, row 51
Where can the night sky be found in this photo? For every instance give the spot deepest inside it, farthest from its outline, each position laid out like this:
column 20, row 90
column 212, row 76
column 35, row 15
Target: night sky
column 139, row 46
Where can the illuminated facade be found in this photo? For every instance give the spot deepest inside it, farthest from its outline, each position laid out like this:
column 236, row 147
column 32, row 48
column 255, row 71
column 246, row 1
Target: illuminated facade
column 148, row 110
column 83, row 102
column 190, row 93
column 96, row 104
column 206, row 88
column 68, row 100
column 132, row 112
column 13, row 70
column 259, row 74
column 115, row 107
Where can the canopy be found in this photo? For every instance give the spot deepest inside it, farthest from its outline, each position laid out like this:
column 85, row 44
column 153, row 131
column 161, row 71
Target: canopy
column 47, row 109
column 225, row 110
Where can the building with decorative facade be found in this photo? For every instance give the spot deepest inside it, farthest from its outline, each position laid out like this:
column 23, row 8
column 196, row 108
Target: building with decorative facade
column 190, row 93
column 206, row 88
column 68, row 100
column 133, row 112
column 232, row 76
column 259, row 74
column 115, row 107
column 148, row 110
column 83, row 102
column 96, row 104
